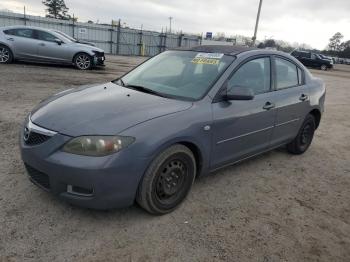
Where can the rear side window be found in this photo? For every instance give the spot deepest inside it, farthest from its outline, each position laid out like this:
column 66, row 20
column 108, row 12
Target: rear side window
column 254, row 74
column 286, row 74
column 28, row 33
column 44, row 36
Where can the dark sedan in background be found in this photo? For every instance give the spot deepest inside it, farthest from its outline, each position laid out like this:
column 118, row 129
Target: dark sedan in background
column 182, row 114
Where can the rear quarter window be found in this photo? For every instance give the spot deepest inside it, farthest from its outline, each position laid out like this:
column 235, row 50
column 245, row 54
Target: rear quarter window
column 9, row 32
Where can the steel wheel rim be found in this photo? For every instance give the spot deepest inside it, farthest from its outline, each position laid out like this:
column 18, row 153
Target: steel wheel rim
column 171, row 180
column 83, row 61
column 4, row 55
column 323, row 67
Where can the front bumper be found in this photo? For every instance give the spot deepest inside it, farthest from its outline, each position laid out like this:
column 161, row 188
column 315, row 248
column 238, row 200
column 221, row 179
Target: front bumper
column 97, row 182
column 99, row 59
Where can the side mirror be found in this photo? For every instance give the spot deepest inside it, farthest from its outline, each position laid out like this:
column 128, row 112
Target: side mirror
column 58, row 41
column 239, row 93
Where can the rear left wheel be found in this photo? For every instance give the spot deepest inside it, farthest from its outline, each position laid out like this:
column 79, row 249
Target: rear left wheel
column 304, row 138
column 5, row 55
column 167, row 180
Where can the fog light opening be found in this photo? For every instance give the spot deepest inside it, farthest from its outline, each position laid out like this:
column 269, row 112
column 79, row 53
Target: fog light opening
column 80, row 191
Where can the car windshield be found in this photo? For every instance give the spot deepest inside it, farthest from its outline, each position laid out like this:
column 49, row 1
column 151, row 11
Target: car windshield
column 178, row 74
column 66, row 36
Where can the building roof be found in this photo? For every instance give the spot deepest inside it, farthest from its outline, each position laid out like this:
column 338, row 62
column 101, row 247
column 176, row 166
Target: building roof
column 225, row 49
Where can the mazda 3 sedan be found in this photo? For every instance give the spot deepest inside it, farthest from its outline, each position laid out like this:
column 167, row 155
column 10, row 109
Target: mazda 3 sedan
column 146, row 136
column 36, row 44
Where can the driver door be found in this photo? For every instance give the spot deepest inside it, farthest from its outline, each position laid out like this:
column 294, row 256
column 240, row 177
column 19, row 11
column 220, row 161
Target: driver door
column 49, row 50
column 243, row 128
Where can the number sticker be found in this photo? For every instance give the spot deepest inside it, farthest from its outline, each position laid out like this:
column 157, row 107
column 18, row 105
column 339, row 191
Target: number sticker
column 206, row 61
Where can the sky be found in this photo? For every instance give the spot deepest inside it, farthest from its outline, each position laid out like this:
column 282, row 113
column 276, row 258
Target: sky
column 304, row 21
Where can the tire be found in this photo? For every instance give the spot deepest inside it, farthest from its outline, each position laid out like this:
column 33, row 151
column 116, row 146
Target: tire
column 167, row 180
column 83, row 61
column 304, row 138
column 6, row 56
column 324, row 67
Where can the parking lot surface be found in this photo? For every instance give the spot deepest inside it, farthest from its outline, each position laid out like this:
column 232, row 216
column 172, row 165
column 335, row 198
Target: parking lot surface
column 275, row 207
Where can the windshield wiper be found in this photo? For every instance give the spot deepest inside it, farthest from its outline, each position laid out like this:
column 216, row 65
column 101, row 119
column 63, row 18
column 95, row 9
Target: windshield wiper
column 143, row 89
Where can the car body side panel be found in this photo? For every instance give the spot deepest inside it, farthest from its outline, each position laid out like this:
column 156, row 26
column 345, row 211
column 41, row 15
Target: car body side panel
column 241, row 128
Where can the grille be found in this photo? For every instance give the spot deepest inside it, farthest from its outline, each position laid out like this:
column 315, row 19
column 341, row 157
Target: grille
column 38, row 177
column 36, row 138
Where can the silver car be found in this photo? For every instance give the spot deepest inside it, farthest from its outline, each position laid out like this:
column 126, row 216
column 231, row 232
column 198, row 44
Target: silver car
column 45, row 45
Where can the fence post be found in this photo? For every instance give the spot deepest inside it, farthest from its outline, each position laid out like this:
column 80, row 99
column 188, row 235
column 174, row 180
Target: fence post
column 73, row 26
column 111, row 43
column 140, row 44
column 24, row 15
column 180, row 39
column 118, row 37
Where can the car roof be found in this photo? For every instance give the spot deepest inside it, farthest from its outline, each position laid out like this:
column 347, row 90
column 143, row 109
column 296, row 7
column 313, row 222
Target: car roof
column 223, row 49
column 28, row 27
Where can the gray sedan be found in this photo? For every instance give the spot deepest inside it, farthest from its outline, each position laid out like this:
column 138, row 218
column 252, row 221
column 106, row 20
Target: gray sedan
column 44, row 45
column 182, row 114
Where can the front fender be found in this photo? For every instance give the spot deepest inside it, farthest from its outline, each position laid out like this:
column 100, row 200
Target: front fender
column 154, row 136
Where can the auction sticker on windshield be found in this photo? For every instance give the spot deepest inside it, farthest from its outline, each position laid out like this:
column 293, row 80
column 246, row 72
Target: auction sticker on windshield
column 207, row 58
column 209, row 55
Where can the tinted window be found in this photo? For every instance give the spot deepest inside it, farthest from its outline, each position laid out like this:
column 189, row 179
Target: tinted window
column 254, row 74
column 305, row 55
column 28, row 33
column 286, row 74
column 42, row 35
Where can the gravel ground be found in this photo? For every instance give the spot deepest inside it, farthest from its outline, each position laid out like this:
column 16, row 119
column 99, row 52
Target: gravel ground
column 276, row 207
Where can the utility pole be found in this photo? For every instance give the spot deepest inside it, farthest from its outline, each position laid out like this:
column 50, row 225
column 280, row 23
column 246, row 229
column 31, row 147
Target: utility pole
column 257, row 22
column 170, row 19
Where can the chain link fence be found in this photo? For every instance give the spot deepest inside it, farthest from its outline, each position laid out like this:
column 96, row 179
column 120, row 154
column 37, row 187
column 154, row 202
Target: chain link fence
column 113, row 39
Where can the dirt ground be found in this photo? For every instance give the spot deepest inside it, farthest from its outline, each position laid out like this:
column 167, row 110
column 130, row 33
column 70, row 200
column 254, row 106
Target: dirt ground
column 276, row 207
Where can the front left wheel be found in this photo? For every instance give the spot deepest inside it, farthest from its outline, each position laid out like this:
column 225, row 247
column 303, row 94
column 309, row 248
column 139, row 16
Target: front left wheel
column 83, row 61
column 167, row 180
column 6, row 56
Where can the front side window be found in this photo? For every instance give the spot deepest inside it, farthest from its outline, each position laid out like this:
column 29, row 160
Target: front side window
column 254, row 74
column 179, row 74
column 28, row 33
column 44, row 36
column 286, row 74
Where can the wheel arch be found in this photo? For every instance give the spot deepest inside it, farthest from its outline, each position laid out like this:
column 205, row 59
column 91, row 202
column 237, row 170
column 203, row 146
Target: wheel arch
column 80, row 52
column 316, row 113
column 3, row 44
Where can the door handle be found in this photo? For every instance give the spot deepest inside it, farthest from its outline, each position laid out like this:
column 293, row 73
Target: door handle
column 268, row 106
column 10, row 39
column 303, row 97
column 42, row 44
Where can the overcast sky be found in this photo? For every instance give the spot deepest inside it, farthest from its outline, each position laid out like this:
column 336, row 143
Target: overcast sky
column 304, row 21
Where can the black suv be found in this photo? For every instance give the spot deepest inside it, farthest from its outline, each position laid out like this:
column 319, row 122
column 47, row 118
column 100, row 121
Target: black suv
column 313, row 60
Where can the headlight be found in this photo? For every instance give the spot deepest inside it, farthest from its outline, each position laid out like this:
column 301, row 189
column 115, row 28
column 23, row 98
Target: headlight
column 97, row 145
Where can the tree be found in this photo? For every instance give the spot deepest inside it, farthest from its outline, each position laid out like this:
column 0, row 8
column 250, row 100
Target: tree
column 56, row 9
column 335, row 42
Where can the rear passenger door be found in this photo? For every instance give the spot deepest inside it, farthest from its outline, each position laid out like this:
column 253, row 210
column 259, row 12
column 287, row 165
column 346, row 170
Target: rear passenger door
column 23, row 42
column 292, row 100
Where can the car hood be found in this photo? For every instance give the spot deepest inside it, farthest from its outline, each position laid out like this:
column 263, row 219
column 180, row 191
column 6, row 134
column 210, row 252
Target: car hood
column 105, row 109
